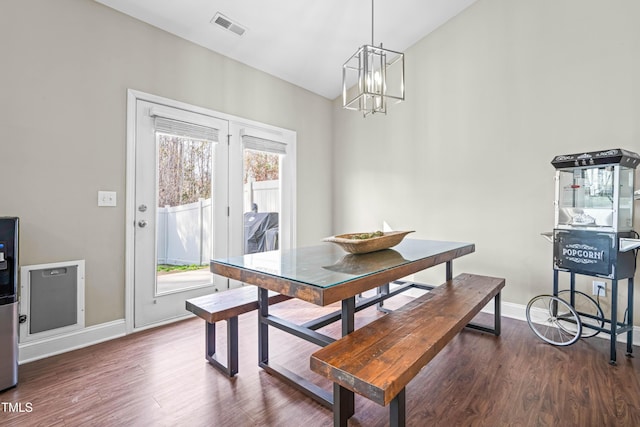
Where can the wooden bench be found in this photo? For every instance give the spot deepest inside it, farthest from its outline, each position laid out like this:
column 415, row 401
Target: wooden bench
column 380, row 359
column 227, row 305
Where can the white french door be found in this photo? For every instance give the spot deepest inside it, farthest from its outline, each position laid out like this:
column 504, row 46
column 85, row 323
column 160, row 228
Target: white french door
column 181, row 204
column 197, row 183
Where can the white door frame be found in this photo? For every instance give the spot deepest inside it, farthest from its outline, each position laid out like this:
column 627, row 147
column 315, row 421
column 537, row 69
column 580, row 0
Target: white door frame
column 287, row 239
column 151, row 307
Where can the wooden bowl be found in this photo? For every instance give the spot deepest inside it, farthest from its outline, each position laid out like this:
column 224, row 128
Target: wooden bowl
column 364, row 246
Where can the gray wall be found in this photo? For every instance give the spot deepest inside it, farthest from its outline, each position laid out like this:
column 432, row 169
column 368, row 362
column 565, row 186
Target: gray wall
column 65, row 69
column 492, row 97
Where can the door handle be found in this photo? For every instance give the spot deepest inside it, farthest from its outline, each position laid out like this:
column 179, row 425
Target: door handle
column 142, row 223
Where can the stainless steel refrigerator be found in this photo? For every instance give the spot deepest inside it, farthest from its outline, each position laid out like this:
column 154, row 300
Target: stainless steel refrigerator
column 8, row 302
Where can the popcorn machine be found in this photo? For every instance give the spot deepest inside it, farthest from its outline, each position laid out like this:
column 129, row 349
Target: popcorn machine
column 593, row 235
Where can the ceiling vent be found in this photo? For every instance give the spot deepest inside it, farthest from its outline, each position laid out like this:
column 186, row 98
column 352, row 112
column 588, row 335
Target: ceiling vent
column 226, row 23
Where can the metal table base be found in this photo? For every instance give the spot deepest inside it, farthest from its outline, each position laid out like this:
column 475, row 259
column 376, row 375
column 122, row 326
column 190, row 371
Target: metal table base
column 341, row 398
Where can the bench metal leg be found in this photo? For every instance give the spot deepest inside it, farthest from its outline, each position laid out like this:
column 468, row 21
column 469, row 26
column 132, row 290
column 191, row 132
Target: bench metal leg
column 398, row 410
column 497, row 317
column 342, row 405
column 231, row 367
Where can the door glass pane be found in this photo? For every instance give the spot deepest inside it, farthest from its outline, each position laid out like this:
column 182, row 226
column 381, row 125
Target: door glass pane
column 261, row 201
column 184, row 213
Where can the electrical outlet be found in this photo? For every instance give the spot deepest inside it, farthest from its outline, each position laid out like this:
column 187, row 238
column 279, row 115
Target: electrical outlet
column 599, row 288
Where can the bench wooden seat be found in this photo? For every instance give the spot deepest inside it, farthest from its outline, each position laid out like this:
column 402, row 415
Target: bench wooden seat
column 380, row 359
column 227, row 305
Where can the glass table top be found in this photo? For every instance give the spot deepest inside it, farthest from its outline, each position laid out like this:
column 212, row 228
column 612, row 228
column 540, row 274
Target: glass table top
column 327, row 265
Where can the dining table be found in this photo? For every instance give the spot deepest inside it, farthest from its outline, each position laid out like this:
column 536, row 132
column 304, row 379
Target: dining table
column 325, row 274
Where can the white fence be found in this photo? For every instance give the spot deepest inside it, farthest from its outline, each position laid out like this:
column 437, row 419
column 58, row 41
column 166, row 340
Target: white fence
column 265, row 194
column 185, row 236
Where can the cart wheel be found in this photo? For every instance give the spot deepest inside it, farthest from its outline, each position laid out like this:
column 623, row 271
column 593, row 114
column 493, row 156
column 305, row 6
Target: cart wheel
column 553, row 320
column 591, row 315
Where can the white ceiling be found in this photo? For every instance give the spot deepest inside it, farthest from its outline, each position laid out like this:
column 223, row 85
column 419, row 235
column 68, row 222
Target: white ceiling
column 304, row 42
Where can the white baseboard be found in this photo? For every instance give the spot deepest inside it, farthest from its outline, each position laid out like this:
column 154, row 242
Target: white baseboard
column 50, row 346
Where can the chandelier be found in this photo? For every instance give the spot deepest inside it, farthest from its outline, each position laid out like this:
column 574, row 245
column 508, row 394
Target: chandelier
column 372, row 77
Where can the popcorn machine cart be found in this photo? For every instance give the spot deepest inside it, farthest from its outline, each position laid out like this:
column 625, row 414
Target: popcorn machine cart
column 593, row 235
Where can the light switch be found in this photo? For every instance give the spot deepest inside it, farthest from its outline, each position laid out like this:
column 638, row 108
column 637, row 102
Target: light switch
column 106, row 198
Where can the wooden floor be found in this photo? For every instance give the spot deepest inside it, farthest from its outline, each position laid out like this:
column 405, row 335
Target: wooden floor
column 160, row 378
